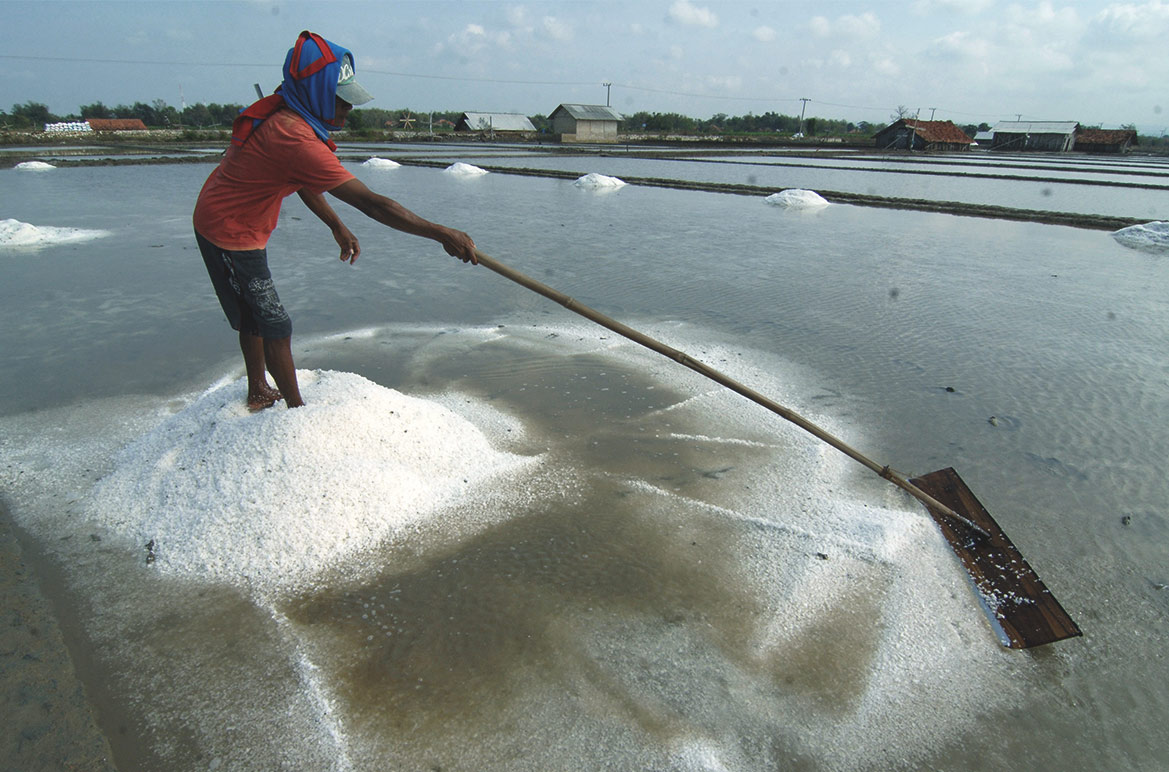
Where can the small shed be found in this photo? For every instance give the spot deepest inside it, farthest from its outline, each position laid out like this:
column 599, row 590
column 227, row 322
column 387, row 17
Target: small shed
column 912, row 134
column 1043, row 136
column 116, row 124
column 585, row 123
column 1105, row 140
column 495, row 122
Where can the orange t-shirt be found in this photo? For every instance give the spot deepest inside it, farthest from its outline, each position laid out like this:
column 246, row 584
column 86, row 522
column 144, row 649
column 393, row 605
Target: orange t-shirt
column 240, row 202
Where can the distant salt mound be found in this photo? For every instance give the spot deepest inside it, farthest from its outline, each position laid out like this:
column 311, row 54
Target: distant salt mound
column 34, row 166
column 17, row 234
column 596, row 181
column 461, row 169
column 268, row 500
column 1149, row 237
column 795, row 198
column 381, row 163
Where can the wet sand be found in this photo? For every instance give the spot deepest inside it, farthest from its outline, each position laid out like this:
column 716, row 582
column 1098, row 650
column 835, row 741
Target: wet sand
column 50, row 720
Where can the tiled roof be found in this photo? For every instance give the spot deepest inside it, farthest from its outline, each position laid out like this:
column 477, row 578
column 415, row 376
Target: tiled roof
column 939, row 131
column 1106, row 136
column 117, row 124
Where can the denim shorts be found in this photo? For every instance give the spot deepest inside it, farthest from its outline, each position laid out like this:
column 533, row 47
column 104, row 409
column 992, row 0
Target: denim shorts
column 245, row 290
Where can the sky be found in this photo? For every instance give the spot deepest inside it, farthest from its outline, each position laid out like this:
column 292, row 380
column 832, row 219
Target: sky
column 969, row 61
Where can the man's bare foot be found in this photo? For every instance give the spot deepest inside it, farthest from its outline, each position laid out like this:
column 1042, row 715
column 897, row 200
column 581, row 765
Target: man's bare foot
column 265, row 397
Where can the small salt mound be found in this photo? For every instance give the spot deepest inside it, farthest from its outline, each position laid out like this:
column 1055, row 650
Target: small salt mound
column 1149, row 237
column 270, row 499
column 34, row 166
column 594, row 180
column 381, row 163
column 14, row 233
column 464, row 170
column 795, row 198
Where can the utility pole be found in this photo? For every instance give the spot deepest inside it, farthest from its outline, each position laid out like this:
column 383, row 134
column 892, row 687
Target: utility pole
column 803, row 107
column 932, row 112
column 607, row 86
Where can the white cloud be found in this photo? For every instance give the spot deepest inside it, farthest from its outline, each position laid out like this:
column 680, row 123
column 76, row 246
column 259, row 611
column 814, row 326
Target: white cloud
column 1127, row 20
column 556, row 29
column 962, row 7
column 763, row 34
column 886, row 66
column 864, row 26
column 839, row 59
column 725, row 83
column 517, row 16
column 867, row 25
column 684, row 12
column 965, row 46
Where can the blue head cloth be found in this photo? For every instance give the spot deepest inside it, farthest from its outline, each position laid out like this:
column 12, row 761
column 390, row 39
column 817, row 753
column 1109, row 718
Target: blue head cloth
column 311, row 71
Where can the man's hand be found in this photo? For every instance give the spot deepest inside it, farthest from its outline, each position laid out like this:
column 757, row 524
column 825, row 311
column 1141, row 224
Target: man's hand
column 460, row 245
column 350, row 248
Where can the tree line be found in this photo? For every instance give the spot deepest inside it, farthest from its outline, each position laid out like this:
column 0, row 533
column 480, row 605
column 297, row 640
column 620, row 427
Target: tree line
column 159, row 114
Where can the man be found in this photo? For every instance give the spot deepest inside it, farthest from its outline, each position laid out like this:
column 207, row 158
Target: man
column 280, row 145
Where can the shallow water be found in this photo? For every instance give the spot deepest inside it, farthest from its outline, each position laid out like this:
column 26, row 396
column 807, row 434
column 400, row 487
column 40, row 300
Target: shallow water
column 1056, row 190
column 681, row 581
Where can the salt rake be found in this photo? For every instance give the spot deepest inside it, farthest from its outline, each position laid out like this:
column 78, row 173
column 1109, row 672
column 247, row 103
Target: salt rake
column 1019, row 606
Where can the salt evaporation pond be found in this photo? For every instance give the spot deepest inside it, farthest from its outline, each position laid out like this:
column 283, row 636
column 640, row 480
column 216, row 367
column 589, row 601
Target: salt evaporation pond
column 561, row 551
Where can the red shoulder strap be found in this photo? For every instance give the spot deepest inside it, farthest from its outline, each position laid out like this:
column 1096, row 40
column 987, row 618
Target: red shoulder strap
column 247, row 121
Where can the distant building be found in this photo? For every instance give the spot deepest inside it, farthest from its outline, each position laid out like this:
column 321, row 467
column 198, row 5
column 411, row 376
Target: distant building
column 495, row 122
column 912, row 134
column 68, row 127
column 1043, row 136
column 585, row 123
column 1105, row 140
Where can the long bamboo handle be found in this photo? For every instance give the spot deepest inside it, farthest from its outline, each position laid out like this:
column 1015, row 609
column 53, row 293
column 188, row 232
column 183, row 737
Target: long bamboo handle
column 686, row 360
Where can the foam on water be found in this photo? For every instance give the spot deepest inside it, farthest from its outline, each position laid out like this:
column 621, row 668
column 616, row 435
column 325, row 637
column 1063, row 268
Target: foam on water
column 1149, row 237
column 270, row 499
column 34, row 166
column 381, row 163
column 599, row 181
column 17, row 234
column 460, row 169
column 795, row 198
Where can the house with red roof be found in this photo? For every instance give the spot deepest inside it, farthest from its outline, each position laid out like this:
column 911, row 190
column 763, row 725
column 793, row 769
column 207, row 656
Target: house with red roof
column 912, row 134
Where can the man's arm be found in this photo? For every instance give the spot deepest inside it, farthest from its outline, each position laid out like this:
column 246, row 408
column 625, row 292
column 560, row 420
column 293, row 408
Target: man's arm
column 317, row 204
column 389, row 212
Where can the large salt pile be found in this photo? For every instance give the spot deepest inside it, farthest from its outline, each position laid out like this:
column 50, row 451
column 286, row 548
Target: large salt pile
column 596, row 181
column 34, row 166
column 461, row 169
column 14, row 233
column 1149, row 237
column 381, row 163
column 795, row 198
column 271, row 499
